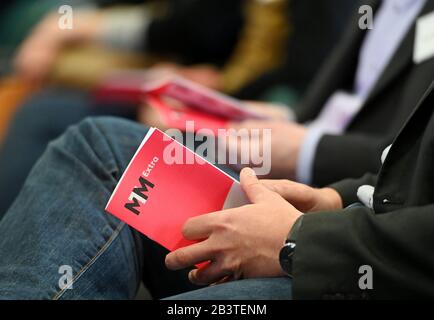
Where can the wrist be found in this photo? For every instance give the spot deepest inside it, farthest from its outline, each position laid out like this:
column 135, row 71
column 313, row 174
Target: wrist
column 286, row 254
column 88, row 24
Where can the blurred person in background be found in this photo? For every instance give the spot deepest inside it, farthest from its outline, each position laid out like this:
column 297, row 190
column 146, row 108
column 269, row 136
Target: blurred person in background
column 360, row 99
column 17, row 17
column 316, row 28
column 261, row 46
column 357, row 103
column 189, row 31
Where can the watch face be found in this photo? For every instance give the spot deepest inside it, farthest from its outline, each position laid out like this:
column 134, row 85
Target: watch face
column 285, row 257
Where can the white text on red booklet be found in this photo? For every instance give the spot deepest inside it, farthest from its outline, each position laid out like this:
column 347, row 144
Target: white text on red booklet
column 156, row 196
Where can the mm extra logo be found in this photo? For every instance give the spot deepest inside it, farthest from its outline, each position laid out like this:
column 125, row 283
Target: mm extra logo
column 138, row 196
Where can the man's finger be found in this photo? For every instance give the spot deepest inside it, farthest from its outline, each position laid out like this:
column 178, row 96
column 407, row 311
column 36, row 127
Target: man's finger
column 249, row 124
column 199, row 227
column 189, row 256
column 275, row 184
column 290, row 190
column 255, row 191
column 208, row 274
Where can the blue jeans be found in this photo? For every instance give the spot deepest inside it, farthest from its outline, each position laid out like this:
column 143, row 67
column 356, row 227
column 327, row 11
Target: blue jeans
column 42, row 118
column 58, row 220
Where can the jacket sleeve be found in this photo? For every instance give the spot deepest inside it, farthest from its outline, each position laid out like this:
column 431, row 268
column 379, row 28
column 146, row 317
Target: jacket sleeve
column 346, row 156
column 347, row 188
column 196, row 31
column 332, row 246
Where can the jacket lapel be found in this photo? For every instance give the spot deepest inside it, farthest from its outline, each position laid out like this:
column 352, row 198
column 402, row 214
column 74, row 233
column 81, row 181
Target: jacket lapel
column 339, row 70
column 402, row 156
column 423, row 105
column 402, row 57
column 422, row 112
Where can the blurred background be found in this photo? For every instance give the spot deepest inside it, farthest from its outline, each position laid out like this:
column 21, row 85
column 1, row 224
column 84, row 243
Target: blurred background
column 266, row 50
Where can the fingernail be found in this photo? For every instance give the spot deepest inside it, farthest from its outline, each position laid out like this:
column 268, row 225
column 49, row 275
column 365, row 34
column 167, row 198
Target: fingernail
column 192, row 278
column 249, row 172
column 168, row 262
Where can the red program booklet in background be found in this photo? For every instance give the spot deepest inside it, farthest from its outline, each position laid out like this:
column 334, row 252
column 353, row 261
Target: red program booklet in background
column 177, row 118
column 157, row 197
column 121, row 86
column 135, row 86
column 200, row 98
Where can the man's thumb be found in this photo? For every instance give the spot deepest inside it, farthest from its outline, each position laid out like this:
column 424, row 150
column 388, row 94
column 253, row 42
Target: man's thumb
column 255, row 191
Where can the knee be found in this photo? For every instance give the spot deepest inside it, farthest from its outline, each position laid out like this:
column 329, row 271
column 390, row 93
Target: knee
column 116, row 132
column 97, row 141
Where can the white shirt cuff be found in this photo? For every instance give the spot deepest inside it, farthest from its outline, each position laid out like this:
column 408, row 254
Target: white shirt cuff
column 306, row 156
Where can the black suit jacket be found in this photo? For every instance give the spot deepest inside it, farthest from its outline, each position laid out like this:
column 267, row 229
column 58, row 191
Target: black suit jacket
column 394, row 96
column 396, row 238
column 196, row 31
column 192, row 31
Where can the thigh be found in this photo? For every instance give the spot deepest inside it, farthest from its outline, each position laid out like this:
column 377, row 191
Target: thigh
column 56, row 240
column 248, row 289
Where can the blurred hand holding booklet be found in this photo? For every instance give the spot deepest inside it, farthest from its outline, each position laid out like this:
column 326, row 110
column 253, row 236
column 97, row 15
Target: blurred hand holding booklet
column 157, row 195
column 176, row 100
column 201, row 98
column 178, row 117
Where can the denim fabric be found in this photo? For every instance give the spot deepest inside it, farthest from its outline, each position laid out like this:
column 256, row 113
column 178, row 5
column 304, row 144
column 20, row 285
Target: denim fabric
column 248, row 289
column 59, row 219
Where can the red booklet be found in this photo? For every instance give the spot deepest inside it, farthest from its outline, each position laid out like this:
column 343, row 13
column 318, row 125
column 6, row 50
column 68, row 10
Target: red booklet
column 200, row 97
column 158, row 193
column 207, row 108
column 178, row 117
column 122, row 86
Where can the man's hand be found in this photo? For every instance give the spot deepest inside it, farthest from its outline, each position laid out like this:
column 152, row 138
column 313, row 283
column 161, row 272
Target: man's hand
column 305, row 198
column 39, row 51
column 286, row 140
column 204, row 74
column 240, row 242
column 270, row 110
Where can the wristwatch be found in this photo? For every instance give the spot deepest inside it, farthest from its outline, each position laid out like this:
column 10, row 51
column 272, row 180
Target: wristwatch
column 288, row 249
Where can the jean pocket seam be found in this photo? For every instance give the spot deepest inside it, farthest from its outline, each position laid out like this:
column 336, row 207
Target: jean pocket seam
column 86, row 267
